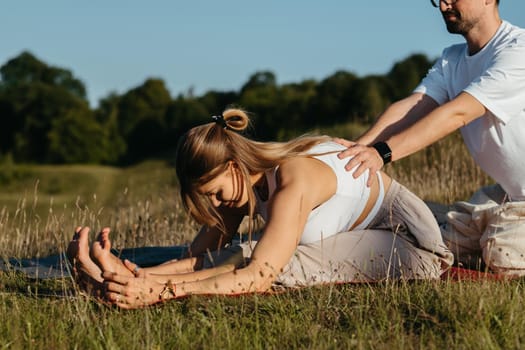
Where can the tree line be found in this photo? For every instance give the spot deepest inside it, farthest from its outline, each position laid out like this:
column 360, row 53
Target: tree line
column 46, row 117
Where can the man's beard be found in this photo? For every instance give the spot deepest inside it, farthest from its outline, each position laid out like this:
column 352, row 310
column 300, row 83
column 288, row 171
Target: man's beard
column 458, row 26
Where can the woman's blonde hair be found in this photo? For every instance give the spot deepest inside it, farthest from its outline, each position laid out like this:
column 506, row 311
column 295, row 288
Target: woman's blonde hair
column 205, row 151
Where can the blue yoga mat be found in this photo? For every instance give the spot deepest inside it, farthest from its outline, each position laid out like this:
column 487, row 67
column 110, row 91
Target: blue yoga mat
column 57, row 266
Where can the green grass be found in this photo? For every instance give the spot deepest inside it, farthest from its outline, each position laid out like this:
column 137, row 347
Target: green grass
column 140, row 204
column 47, row 187
column 433, row 315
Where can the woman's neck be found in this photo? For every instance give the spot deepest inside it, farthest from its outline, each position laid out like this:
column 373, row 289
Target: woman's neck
column 260, row 185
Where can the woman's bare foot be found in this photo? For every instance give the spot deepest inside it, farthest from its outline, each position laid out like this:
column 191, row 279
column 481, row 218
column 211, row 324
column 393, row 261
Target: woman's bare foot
column 101, row 254
column 86, row 273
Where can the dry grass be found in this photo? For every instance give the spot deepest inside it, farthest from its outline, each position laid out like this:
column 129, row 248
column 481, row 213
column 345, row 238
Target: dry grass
column 140, row 204
column 443, row 173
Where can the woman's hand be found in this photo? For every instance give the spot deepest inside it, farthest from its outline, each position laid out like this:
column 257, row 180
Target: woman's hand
column 136, row 269
column 133, row 292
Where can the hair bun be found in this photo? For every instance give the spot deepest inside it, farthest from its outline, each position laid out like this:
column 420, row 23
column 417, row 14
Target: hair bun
column 235, row 119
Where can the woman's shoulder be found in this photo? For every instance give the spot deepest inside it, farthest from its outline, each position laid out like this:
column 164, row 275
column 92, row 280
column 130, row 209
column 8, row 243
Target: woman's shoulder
column 309, row 177
column 305, row 170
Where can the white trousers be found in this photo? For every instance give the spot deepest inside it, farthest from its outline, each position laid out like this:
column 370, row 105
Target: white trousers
column 490, row 227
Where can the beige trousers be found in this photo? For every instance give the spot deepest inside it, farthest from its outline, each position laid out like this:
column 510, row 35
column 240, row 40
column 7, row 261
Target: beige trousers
column 489, row 227
column 402, row 242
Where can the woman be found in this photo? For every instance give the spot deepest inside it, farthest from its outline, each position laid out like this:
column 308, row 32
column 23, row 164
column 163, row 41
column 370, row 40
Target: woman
column 322, row 225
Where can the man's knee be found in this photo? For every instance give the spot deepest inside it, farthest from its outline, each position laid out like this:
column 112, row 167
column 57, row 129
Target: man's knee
column 503, row 257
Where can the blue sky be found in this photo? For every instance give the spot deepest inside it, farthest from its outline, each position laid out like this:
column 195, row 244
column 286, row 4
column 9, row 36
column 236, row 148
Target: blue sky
column 114, row 45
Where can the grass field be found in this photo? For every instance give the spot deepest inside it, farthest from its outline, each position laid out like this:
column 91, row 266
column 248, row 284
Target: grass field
column 40, row 206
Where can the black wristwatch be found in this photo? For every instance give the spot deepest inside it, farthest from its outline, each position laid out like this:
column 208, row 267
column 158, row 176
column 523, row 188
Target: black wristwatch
column 384, row 151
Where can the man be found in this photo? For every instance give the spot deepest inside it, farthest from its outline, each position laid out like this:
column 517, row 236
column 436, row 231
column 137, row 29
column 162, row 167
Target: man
column 479, row 87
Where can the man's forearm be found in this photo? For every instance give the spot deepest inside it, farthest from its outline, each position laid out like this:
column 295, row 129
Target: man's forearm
column 439, row 123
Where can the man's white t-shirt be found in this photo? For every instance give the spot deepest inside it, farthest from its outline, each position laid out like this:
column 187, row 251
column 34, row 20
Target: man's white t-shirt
column 495, row 76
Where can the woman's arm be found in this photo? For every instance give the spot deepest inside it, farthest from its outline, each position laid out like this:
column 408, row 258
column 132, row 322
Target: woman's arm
column 212, row 239
column 304, row 183
column 148, row 281
column 208, row 239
